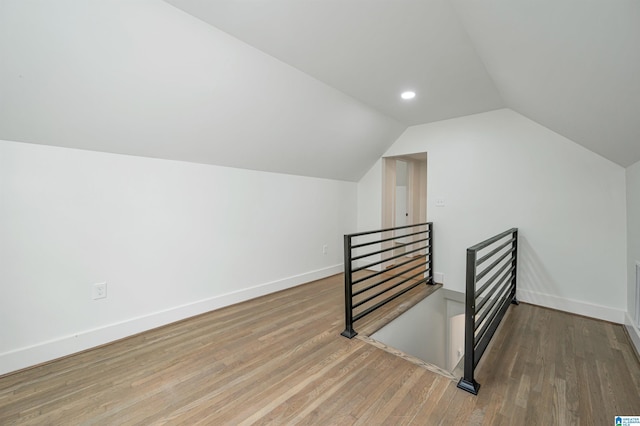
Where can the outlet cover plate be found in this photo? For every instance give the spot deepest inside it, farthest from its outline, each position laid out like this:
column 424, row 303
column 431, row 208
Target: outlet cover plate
column 99, row 291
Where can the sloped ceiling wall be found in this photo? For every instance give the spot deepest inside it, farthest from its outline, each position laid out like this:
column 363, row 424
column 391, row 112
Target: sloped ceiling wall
column 371, row 50
column 571, row 65
column 144, row 78
column 312, row 88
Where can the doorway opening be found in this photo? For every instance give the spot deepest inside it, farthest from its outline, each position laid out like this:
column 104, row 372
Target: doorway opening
column 404, row 195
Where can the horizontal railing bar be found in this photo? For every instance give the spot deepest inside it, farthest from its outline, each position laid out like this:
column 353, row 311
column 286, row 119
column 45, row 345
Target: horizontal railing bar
column 385, row 271
column 400, row 245
column 492, row 279
column 500, row 289
column 362, row 256
column 488, row 269
column 482, row 344
column 388, row 259
column 368, row 299
column 416, row 242
column 491, row 253
column 491, row 240
column 388, row 239
column 372, row 286
column 413, row 259
column 509, row 273
column 384, row 302
column 486, row 306
column 364, row 290
column 358, row 234
column 482, row 330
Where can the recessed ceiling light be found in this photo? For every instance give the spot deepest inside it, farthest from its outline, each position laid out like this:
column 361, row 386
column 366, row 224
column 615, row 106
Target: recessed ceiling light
column 408, row 95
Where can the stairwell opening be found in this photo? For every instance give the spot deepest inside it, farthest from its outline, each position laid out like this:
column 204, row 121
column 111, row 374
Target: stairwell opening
column 432, row 331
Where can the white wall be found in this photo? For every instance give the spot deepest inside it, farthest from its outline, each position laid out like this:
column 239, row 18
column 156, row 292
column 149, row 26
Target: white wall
column 499, row 169
column 171, row 239
column 633, row 247
column 370, row 199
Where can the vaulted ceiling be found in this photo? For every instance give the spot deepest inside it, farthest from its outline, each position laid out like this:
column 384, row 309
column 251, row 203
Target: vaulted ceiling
column 570, row 65
column 311, row 87
column 371, row 50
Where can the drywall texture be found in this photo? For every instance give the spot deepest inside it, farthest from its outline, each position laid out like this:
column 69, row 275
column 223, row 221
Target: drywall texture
column 144, row 78
column 370, row 199
column 171, row 239
column 498, row 170
column 633, row 234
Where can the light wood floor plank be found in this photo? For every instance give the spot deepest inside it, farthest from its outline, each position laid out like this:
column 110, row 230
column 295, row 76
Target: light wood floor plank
column 279, row 359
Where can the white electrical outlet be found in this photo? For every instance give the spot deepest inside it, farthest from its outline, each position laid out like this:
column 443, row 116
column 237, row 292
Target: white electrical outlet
column 99, row 291
column 438, row 277
column 325, row 248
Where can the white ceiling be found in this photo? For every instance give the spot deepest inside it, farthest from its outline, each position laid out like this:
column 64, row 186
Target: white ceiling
column 311, row 87
column 144, row 78
column 571, row 65
column 369, row 49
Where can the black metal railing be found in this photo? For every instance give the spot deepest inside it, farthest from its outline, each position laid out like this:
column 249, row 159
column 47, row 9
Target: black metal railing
column 388, row 263
column 488, row 295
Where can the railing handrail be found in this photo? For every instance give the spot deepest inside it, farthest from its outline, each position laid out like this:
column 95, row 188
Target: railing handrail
column 359, row 234
column 421, row 245
column 504, row 289
column 489, row 241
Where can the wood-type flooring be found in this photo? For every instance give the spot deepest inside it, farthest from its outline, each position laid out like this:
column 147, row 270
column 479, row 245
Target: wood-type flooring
column 280, row 359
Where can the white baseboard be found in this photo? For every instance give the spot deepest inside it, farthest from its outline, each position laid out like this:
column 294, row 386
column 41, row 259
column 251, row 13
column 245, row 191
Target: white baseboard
column 573, row 306
column 633, row 330
column 86, row 339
